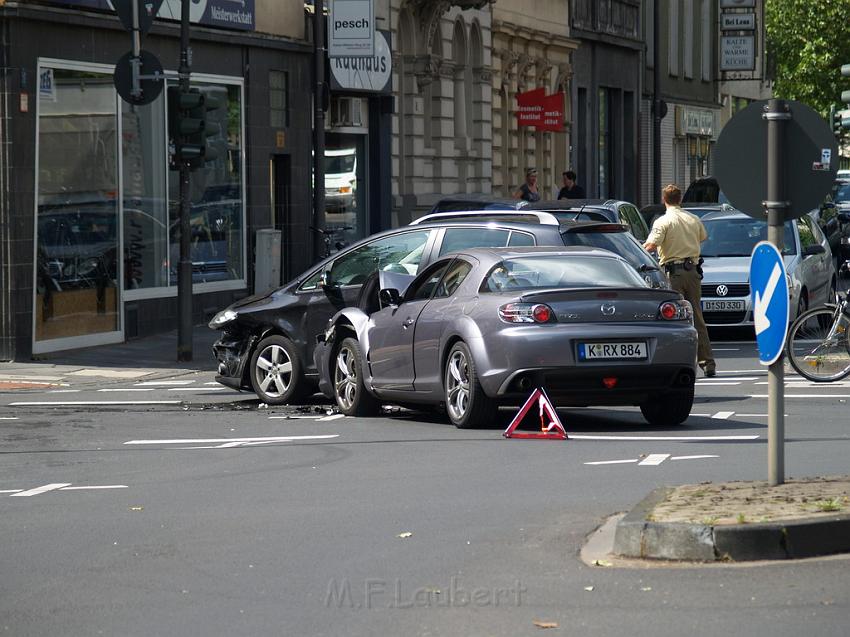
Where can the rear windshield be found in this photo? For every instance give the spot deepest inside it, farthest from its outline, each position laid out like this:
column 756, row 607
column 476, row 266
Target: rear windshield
column 560, row 271
column 738, row 237
column 841, row 192
column 617, row 242
column 580, row 215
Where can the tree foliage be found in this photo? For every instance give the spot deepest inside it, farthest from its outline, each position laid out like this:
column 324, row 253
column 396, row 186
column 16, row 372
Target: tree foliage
column 807, row 42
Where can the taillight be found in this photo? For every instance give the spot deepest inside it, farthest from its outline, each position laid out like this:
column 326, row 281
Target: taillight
column 675, row 311
column 526, row 313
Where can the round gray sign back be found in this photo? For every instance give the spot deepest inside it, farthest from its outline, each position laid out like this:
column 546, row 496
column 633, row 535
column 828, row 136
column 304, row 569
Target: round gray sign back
column 809, row 166
column 122, row 78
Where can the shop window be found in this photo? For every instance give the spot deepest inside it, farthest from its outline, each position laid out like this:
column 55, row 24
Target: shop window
column 216, row 198
column 76, row 274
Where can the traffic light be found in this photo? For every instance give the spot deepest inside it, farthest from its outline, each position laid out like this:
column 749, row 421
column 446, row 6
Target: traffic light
column 189, row 126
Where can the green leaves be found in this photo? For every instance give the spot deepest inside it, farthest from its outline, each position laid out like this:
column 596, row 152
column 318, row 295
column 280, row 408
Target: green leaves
column 807, row 42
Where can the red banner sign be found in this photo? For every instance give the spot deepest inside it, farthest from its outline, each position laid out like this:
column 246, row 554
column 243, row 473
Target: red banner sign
column 546, row 112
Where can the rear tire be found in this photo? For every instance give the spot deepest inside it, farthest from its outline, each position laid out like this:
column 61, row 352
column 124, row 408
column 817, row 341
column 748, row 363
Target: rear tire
column 466, row 403
column 667, row 410
column 352, row 397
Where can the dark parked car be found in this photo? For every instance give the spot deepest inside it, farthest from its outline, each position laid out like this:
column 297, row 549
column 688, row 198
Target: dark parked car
column 486, row 326
column 267, row 340
column 704, row 190
column 841, row 197
column 596, row 210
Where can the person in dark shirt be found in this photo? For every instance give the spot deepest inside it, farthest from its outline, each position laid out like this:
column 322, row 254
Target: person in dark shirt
column 571, row 189
column 528, row 190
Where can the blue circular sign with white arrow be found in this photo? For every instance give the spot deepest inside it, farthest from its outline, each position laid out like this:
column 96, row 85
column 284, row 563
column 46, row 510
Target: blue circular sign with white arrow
column 769, row 291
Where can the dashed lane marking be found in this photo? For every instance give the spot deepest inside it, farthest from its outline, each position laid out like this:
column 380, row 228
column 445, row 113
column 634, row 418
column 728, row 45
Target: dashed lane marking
column 651, row 460
column 120, row 389
column 723, row 415
column 844, row 396
column 39, row 490
column 198, row 388
column 331, row 417
column 8, row 417
column 164, row 383
column 703, row 383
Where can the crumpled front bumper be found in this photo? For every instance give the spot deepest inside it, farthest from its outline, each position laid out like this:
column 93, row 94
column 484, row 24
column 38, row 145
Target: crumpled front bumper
column 233, row 355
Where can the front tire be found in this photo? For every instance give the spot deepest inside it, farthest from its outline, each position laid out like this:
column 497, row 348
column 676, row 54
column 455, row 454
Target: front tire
column 352, row 397
column 812, row 353
column 276, row 373
column 670, row 409
column 466, row 403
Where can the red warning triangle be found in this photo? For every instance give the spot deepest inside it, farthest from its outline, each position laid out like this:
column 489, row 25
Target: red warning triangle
column 553, row 430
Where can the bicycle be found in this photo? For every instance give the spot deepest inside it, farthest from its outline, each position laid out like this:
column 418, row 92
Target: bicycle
column 819, row 342
column 328, row 235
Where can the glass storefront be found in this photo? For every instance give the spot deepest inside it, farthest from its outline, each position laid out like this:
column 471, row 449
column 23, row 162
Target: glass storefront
column 345, row 187
column 108, row 209
column 76, row 281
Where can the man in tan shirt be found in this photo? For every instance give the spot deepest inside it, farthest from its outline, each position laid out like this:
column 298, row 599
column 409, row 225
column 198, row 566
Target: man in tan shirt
column 677, row 235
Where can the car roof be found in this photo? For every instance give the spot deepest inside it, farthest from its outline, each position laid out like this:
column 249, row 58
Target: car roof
column 530, row 216
column 508, row 253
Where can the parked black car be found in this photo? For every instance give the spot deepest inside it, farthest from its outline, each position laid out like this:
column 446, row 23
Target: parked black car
column 610, row 210
column 267, row 340
column 841, row 197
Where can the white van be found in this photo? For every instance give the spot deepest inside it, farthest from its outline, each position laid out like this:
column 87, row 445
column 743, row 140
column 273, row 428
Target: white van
column 340, row 179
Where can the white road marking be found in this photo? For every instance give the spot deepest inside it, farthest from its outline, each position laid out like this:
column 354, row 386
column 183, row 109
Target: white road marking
column 716, row 384
column 729, row 379
column 723, row 415
column 32, row 382
column 742, row 371
column 292, row 417
column 8, row 417
column 128, row 389
column 11, row 491
column 189, row 441
column 158, row 383
column 64, row 391
column 665, row 438
column 215, row 382
column 726, row 349
column 42, row 489
column 72, row 403
column 95, row 486
column 805, row 396
column 756, row 415
column 654, row 459
column 331, row 417
column 691, row 457
column 802, row 384
column 198, row 388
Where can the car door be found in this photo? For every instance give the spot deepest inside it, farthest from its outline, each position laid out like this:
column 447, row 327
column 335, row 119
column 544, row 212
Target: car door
column 400, row 252
column 431, row 324
column 814, row 269
column 391, row 332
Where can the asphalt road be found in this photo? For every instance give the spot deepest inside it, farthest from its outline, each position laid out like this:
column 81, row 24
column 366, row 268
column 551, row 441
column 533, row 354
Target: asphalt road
column 200, row 513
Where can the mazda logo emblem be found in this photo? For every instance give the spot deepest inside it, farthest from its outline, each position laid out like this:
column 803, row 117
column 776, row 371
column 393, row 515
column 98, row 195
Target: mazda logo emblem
column 722, row 290
column 608, row 309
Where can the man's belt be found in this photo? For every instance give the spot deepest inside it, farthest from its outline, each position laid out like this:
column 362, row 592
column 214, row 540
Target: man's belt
column 685, row 264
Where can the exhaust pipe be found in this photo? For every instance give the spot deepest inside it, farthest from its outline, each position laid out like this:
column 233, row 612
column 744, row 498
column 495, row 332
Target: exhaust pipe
column 524, row 383
column 686, row 378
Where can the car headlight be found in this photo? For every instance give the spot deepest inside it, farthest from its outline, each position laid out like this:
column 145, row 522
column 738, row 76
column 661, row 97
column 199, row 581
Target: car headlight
column 225, row 316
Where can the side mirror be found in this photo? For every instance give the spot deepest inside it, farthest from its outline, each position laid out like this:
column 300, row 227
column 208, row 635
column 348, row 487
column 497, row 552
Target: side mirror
column 813, row 250
column 325, row 281
column 844, row 217
column 389, row 297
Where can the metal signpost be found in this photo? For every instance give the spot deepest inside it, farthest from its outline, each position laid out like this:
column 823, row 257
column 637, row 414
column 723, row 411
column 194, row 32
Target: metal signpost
column 797, row 174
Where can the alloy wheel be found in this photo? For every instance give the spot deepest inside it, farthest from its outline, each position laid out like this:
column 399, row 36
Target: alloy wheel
column 274, row 371
column 457, row 385
column 345, row 378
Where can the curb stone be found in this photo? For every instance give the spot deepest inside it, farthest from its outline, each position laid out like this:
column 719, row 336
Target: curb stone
column 637, row 536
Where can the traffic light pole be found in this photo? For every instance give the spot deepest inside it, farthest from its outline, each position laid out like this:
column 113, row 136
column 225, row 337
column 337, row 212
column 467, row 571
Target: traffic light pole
column 777, row 113
column 184, row 272
column 319, row 129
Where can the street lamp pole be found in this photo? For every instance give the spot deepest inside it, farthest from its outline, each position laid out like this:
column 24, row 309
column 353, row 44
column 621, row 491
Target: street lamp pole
column 656, row 100
column 319, row 51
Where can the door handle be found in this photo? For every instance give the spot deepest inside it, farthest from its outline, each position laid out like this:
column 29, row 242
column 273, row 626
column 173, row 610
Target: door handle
column 407, row 323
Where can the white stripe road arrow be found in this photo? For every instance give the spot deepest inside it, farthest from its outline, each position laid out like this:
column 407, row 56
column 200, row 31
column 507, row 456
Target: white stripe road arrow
column 763, row 302
column 229, row 442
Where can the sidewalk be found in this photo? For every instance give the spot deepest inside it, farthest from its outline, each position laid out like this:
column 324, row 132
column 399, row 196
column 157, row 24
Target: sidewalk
column 149, row 358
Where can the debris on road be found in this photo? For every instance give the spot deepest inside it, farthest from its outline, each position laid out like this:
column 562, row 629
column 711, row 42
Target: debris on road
column 405, row 535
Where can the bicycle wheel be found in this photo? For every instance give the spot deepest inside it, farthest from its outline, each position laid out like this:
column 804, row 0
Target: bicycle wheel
column 812, row 353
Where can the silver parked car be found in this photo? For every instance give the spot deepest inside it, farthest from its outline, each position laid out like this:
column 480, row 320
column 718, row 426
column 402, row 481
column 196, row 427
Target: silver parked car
column 732, row 235
column 484, row 327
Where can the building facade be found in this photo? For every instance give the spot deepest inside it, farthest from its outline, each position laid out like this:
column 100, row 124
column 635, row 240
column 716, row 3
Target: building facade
column 606, row 94
column 88, row 204
column 688, row 39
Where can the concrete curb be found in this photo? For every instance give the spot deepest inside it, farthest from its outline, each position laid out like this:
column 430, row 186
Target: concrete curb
column 636, row 536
